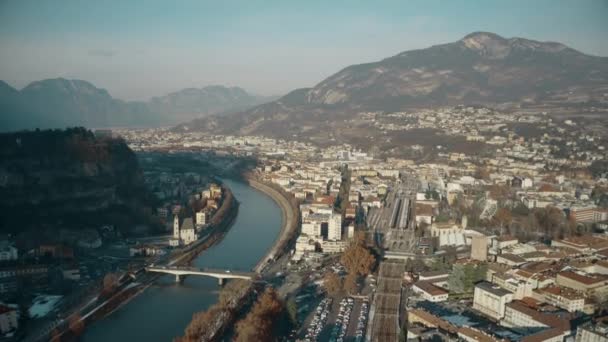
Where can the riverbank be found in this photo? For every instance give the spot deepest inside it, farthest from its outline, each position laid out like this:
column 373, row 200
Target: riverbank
column 289, row 225
column 136, row 282
column 219, row 225
column 250, row 236
column 290, row 217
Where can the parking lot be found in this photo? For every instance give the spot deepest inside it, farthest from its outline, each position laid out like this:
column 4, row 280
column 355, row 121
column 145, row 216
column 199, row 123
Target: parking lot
column 337, row 320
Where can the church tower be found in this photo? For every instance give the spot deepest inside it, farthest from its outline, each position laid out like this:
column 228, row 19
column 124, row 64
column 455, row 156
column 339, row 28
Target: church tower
column 176, row 226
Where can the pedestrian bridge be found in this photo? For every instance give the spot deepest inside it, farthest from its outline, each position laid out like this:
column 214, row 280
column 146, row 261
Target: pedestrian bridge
column 221, row 275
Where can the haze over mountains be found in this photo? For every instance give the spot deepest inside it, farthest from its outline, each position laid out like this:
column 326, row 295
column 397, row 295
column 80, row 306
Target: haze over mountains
column 481, row 68
column 56, row 103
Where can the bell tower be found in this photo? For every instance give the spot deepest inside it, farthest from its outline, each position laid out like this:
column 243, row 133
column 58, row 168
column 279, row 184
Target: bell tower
column 176, row 226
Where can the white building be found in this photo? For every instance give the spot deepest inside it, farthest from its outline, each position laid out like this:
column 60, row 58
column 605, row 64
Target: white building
column 351, row 231
column 592, row 332
column 201, row 218
column 491, row 299
column 333, row 246
column 311, row 225
column 334, row 228
column 430, row 292
column 304, row 244
column 186, row 233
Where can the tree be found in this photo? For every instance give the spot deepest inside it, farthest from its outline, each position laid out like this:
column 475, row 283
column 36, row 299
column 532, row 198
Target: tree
column 415, row 266
column 201, row 323
column 357, row 258
column 350, row 284
column 482, row 173
column 55, row 336
column 110, row 281
column 599, row 168
column 463, row 277
column 503, row 218
column 499, row 192
column 76, row 324
column 421, row 229
column 232, row 291
column 403, row 333
column 551, row 220
column 600, row 196
column 332, row 283
column 260, row 322
column 441, row 264
column 292, row 311
column 520, row 210
column 603, row 201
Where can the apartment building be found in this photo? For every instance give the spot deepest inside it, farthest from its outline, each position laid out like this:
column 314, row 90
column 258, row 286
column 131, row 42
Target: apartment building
column 491, row 299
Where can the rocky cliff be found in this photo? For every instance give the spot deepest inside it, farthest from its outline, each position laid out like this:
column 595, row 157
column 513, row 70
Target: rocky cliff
column 69, row 179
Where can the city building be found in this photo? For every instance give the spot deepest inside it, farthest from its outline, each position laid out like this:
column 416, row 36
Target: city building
column 491, row 300
column 586, row 283
column 185, row 233
column 430, row 292
column 561, row 297
column 596, row 331
column 479, row 247
column 334, row 229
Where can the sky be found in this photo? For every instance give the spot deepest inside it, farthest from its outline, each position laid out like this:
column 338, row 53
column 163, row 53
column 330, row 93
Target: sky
column 139, row 49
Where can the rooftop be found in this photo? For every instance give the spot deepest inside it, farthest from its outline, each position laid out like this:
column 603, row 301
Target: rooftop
column 587, row 279
column 429, row 288
column 493, row 289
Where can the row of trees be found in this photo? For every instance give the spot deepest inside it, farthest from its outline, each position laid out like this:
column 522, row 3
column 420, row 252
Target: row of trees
column 334, row 284
column 205, row 324
column 548, row 222
column 263, row 322
column 512, row 217
column 342, row 200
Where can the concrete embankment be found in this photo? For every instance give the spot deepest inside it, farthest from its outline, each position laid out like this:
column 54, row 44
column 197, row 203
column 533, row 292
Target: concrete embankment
column 289, row 226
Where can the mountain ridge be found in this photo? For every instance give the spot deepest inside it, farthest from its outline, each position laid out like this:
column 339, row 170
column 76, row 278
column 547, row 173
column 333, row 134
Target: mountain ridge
column 60, row 102
column 481, row 68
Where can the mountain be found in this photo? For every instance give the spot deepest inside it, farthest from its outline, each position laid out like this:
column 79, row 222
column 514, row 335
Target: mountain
column 76, row 102
column 57, row 103
column 197, row 102
column 69, row 179
column 481, row 68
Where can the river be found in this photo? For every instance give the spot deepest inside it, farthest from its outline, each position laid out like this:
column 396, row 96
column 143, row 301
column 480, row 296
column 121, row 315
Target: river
column 165, row 308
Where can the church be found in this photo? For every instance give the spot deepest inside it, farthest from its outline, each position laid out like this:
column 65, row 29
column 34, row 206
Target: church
column 185, row 233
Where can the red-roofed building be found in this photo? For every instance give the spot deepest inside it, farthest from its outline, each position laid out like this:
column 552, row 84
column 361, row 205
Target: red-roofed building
column 430, row 292
column 561, row 297
column 585, row 244
column 587, row 283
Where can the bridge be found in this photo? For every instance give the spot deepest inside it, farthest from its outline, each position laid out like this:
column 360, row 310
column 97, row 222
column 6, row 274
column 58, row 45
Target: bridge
column 221, row 275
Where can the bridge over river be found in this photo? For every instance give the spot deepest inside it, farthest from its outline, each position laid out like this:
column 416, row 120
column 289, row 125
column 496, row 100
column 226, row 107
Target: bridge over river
column 258, row 219
column 221, row 275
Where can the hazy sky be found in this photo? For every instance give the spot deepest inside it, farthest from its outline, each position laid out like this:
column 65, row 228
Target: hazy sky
column 139, row 49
